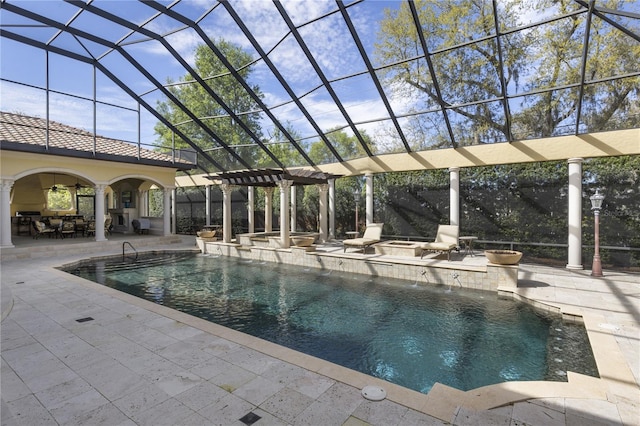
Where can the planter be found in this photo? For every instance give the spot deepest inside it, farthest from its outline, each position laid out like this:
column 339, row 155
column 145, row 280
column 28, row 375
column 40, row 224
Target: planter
column 206, row 234
column 302, row 241
column 503, row 257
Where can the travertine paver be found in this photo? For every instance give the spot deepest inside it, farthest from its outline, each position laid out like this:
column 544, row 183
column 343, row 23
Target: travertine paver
column 534, row 414
column 131, row 365
column 287, row 404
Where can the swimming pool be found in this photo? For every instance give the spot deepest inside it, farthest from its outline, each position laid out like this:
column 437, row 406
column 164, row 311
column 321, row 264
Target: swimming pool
column 396, row 330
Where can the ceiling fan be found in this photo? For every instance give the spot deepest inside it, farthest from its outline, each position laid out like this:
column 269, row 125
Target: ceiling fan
column 53, row 188
column 78, row 185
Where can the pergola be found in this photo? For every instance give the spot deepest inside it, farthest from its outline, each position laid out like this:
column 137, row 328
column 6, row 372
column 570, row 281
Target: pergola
column 446, row 121
column 268, row 179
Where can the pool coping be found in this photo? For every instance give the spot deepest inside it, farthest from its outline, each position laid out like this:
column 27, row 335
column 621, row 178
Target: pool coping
column 442, row 401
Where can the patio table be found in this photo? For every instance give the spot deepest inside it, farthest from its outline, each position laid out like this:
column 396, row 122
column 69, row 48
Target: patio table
column 467, row 242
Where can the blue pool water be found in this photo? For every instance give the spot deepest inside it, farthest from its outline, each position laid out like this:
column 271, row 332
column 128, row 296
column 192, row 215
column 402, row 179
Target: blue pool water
column 396, row 330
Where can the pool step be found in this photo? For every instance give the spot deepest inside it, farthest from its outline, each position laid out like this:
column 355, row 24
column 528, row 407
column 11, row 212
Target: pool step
column 141, row 262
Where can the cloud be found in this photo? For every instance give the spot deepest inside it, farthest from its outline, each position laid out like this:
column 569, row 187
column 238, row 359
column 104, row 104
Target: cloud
column 328, row 40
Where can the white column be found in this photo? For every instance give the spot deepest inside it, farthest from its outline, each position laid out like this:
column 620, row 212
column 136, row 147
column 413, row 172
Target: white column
column 332, row 209
column 268, row 209
column 575, row 214
column 169, row 211
column 251, row 208
column 322, row 199
column 99, row 190
column 294, row 209
column 369, row 198
column 207, row 206
column 226, row 212
column 5, row 210
column 143, row 203
column 454, row 196
column 285, row 189
column 73, row 191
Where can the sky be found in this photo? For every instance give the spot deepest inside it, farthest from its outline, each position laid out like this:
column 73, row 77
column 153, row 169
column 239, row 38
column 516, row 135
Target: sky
column 328, row 39
column 26, row 64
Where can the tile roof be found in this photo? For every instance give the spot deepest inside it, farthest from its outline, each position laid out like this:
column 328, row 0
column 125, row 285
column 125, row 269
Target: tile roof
column 24, row 133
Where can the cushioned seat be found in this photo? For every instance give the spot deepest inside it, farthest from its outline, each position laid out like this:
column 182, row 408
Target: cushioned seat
column 141, row 226
column 446, row 241
column 67, row 229
column 41, row 228
column 371, row 236
column 90, row 229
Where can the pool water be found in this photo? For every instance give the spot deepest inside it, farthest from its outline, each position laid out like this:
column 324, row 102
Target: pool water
column 399, row 331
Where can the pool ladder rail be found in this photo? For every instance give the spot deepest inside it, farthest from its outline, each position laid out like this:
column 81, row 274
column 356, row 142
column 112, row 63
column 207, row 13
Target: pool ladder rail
column 132, row 247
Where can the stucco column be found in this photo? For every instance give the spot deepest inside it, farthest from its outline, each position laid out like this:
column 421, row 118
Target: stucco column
column 332, row 209
column 226, row 212
column 285, row 189
column 454, row 196
column 141, row 203
column 322, row 199
column 268, row 209
column 207, row 206
column 294, row 209
column 100, row 205
column 251, row 208
column 5, row 210
column 169, row 203
column 574, row 254
column 369, row 198
column 73, row 191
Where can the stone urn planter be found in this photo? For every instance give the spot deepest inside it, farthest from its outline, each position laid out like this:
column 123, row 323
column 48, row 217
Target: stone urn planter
column 503, row 257
column 206, row 234
column 301, row 241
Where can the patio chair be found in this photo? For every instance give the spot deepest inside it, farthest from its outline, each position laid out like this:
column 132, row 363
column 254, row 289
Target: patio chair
column 90, row 229
column 67, row 229
column 446, row 241
column 40, row 228
column 81, row 226
column 107, row 225
column 371, row 236
column 141, row 226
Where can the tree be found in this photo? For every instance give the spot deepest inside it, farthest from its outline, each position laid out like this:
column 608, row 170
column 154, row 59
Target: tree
column 282, row 149
column 543, row 57
column 556, row 49
column 346, row 146
column 464, row 75
column 212, row 114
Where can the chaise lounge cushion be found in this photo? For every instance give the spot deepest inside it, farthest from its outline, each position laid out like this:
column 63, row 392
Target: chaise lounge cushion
column 371, row 236
column 446, row 240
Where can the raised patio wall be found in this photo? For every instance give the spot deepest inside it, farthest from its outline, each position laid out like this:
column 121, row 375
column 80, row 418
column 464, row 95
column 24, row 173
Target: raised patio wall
column 419, row 271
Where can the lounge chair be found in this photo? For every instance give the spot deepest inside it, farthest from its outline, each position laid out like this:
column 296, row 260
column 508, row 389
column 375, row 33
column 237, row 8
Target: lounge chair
column 446, row 241
column 40, row 228
column 371, row 236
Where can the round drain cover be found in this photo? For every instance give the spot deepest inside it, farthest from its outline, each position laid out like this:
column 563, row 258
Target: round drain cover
column 374, row 393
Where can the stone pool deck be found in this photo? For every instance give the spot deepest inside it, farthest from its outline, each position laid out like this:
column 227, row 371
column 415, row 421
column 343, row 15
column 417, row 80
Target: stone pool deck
column 136, row 362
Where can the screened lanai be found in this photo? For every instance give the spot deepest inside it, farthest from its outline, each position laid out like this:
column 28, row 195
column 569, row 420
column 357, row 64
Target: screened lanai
column 360, row 89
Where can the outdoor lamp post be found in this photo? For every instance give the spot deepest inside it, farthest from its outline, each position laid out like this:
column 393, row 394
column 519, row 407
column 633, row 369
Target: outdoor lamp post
column 356, row 197
column 596, row 204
